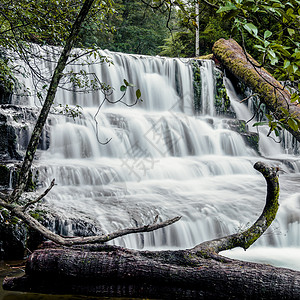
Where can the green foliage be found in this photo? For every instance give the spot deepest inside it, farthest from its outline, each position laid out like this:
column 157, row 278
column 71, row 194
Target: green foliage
column 277, row 125
column 180, row 44
column 69, row 111
column 138, row 29
column 274, row 28
column 44, row 22
column 181, row 41
column 197, row 84
column 279, row 44
column 7, row 79
column 7, row 218
column 222, row 101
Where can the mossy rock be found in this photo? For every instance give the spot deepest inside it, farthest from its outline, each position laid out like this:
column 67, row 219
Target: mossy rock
column 5, row 95
column 250, row 138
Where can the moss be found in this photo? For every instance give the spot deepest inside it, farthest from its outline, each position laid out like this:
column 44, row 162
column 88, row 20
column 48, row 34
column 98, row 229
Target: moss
column 222, row 101
column 32, row 181
column 253, row 141
column 208, row 56
column 39, row 215
column 197, row 84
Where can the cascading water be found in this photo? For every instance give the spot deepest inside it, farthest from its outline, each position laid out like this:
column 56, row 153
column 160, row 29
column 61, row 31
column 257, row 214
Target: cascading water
column 161, row 160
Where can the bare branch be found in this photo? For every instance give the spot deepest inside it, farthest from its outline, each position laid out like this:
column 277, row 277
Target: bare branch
column 18, row 211
column 119, row 233
column 40, row 197
column 249, row 97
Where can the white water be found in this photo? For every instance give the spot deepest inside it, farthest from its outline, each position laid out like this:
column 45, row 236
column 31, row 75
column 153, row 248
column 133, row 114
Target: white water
column 162, row 160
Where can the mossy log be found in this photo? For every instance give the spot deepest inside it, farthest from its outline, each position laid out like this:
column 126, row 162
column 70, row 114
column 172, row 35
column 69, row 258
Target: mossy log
column 246, row 69
column 197, row 273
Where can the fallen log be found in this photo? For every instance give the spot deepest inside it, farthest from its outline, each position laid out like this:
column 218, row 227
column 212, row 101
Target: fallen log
column 118, row 272
column 197, row 273
column 246, row 69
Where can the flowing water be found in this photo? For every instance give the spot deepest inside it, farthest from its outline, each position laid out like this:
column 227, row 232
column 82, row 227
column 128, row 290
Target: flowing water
column 163, row 159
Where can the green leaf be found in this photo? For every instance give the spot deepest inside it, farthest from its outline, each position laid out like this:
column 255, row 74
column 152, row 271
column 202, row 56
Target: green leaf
column 266, row 43
column 285, row 111
column 138, row 94
column 294, row 97
column 295, row 68
column 269, row 117
column 286, row 64
column 251, row 28
column 272, row 53
column 259, row 124
column 267, row 34
column 291, row 31
column 123, row 88
column 128, row 83
column 229, row 6
column 293, row 124
column 259, row 47
column 296, row 54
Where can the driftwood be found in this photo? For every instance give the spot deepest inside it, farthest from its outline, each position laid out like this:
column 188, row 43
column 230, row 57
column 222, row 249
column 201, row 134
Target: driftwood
column 271, row 92
column 196, row 273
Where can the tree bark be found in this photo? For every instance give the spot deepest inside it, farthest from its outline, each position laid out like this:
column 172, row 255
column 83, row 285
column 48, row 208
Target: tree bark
column 273, row 94
column 197, row 273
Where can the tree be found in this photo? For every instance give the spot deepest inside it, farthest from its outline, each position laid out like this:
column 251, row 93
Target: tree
column 140, row 29
column 183, row 26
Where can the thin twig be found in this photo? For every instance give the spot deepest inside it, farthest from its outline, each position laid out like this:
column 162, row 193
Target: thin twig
column 249, row 97
column 40, row 197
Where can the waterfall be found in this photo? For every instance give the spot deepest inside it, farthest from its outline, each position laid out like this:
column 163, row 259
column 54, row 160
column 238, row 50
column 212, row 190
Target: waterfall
column 161, row 159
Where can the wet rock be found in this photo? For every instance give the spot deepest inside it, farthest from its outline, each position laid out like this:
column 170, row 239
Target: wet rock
column 5, row 96
column 250, row 138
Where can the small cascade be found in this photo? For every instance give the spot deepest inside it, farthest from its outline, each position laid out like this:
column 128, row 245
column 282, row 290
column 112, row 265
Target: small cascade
column 161, row 159
column 208, row 88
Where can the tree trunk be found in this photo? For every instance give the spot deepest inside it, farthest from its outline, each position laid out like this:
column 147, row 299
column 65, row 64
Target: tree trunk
column 231, row 55
column 113, row 271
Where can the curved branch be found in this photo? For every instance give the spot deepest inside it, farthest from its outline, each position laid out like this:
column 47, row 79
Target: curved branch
column 246, row 238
